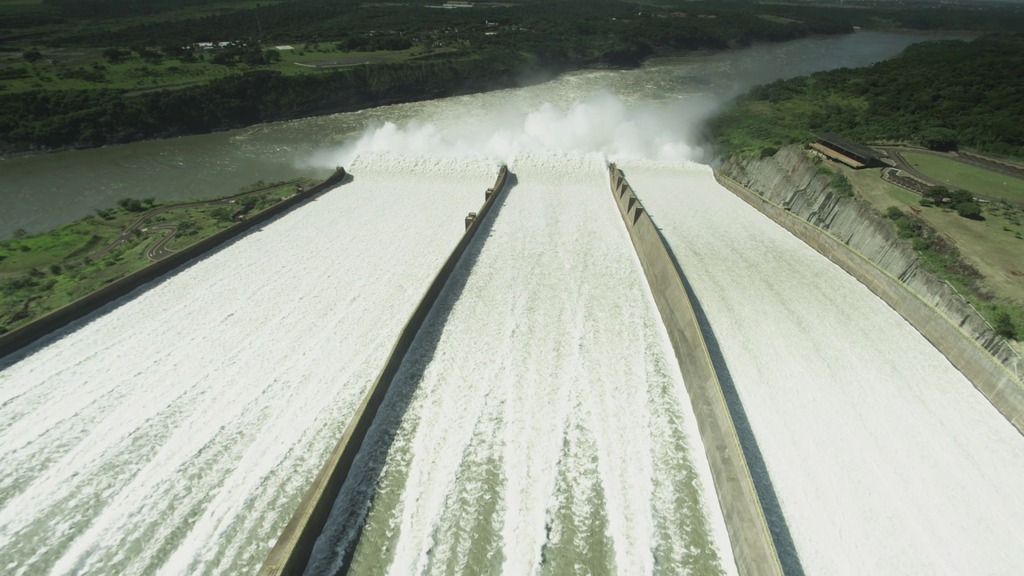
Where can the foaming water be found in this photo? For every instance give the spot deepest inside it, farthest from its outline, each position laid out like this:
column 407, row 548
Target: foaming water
column 602, row 123
column 175, row 431
column 539, row 423
column 857, row 417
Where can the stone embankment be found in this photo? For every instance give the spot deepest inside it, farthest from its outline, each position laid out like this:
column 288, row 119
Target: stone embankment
column 788, row 188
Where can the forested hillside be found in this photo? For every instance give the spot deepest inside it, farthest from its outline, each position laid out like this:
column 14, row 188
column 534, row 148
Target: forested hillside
column 79, row 73
column 937, row 94
column 90, row 75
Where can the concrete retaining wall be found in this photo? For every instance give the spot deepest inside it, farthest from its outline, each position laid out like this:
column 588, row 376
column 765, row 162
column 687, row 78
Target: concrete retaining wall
column 855, row 238
column 291, row 553
column 25, row 335
column 752, row 544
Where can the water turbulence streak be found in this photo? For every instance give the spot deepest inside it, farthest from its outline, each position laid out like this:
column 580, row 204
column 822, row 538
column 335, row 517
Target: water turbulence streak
column 542, row 425
column 884, row 458
column 175, row 432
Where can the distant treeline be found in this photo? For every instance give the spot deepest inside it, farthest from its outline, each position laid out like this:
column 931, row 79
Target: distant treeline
column 336, row 20
column 938, row 94
column 485, row 48
column 98, row 117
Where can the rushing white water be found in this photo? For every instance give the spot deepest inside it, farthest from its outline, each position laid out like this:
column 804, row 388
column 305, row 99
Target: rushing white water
column 885, row 459
column 547, row 427
column 174, row 432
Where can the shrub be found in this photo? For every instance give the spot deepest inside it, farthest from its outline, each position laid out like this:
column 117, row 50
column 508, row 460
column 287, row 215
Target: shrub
column 938, row 139
column 926, row 201
column 1004, row 325
column 131, row 204
column 970, row 210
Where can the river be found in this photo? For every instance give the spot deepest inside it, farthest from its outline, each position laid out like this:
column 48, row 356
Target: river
column 660, row 104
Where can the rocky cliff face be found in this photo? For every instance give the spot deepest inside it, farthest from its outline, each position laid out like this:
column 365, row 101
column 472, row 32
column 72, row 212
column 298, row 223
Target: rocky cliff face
column 790, row 179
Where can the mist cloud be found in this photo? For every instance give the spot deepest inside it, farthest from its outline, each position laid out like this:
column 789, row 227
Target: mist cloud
column 601, row 123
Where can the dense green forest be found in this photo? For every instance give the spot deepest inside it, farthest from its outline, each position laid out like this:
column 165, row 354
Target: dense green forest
column 936, row 94
column 79, row 73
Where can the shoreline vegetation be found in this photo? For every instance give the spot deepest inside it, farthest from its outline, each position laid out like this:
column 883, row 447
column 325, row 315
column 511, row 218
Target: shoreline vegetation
column 79, row 74
column 44, row 272
column 957, row 105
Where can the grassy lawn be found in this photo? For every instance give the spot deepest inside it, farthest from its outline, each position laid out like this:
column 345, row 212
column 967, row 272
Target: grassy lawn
column 43, row 272
column 971, row 178
column 995, row 245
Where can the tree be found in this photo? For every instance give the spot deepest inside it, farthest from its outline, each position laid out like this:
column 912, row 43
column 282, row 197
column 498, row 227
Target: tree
column 1004, row 325
column 115, row 55
column 31, row 55
column 131, row 204
column 938, row 139
column 970, row 210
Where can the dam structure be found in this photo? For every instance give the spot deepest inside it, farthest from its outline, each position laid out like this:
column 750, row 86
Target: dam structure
column 540, row 423
column 874, row 451
column 175, row 430
column 493, row 456
column 543, row 415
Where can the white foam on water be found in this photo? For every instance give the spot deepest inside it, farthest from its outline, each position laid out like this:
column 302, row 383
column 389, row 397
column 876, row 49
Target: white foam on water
column 600, row 123
column 174, row 432
column 885, row 459
column 555, row 328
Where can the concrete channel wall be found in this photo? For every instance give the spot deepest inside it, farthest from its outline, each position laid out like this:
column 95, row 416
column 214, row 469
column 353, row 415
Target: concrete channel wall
column 946, row 322
column 752, row 544
column 791, row 179
column 25, row 335
column 291, row 553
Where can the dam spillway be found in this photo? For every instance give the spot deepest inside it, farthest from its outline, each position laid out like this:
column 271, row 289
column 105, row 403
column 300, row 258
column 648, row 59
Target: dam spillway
column 883, row 458
column 541, row 425
column 174, row 431
column 135, row 443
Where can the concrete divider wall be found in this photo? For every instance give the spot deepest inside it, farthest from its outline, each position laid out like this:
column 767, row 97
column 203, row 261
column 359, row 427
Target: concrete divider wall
column 966, row 351
column 25, row 335
column 291, row 553
column 752, row 544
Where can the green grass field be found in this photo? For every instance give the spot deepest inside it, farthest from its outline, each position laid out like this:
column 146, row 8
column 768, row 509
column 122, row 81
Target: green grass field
column 959, row 175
